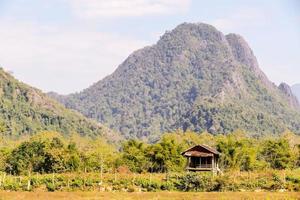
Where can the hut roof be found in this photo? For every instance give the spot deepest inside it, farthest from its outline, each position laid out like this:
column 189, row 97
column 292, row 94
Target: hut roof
column 201, row 151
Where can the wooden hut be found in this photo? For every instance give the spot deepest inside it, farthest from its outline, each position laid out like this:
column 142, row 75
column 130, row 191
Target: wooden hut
column 202, row 158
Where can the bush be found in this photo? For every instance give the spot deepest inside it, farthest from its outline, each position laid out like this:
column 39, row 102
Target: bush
column 149, row 185
column 168, row 186
column 50, row 187
column 221, row 184
column 188, row 182
column 194, row 182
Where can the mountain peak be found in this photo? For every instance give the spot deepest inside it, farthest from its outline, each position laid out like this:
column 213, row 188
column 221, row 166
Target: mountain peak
column 242, row 52
column 200, row 29
column 193, row 78
column 287, row 90
column 189, row 33
column 284, row 87
column 244, row 55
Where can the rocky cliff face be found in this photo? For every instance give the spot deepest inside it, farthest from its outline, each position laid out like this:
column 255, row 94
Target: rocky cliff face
column 195, row 78
column 292, row 99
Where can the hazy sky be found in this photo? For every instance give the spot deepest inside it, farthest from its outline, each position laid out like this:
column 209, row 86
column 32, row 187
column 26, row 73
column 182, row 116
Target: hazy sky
column 66, row 45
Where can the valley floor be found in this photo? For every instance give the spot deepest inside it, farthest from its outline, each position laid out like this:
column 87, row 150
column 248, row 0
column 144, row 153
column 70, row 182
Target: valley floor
column 147, row 195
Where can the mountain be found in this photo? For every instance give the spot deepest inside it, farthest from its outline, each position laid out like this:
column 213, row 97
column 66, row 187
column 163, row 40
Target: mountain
column 287, row 90
column 25, row 110
column 194, row 77
column 296, row 90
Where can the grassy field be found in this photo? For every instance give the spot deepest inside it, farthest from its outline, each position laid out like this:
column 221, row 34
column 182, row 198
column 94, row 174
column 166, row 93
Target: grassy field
column 147, row 195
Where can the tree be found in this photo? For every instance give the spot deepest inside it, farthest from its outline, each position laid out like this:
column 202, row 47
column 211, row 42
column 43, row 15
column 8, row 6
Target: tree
column 73, row 157
column 165, row 156
column 277, row 153
column 97, row 155
column 134, row 156
column 55, row 156
column 238, row 152
column 27, row 158
column 4, row 154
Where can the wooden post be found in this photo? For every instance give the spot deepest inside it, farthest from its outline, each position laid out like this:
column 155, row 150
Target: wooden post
column 84, row 181
column 200, row 162
column 213, row 164
column 1, row 180
column 101, row 172
column 134, row 176
column 189, row 162
column 29, row 181
column 53, row 178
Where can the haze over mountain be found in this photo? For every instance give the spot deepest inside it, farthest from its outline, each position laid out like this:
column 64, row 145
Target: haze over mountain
column 25, row 110
column 194, row 78
column 296, row 90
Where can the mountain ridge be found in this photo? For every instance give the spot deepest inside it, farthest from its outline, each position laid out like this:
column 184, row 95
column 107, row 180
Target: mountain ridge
column 194, row 77
column 25, row 110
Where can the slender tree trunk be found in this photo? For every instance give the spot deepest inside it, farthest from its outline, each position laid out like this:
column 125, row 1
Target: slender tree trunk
column 68, row 183
column 101, row 172
column 1, row 180
column 29, row 180
column 53, row 179
column 101, row 166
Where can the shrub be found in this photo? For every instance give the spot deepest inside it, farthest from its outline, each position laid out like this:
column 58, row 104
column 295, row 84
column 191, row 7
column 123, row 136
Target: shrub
column 194, row 182
column 50, row 187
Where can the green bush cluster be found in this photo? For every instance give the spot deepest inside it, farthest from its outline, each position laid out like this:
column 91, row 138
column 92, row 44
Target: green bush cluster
column 49, row 152
column 163, row 156
column 50, row 162
column 185, row 182
column 238, row 152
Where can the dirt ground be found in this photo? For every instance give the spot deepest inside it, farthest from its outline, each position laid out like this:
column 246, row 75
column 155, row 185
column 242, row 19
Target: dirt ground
column 147, row 195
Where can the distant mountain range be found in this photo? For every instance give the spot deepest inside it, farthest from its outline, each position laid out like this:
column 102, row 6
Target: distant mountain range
column 25, row 110
column 193, row 78
column 296, row 90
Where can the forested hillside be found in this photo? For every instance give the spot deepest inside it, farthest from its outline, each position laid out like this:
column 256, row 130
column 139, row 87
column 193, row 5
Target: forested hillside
column 194, row 78
column 25, row 111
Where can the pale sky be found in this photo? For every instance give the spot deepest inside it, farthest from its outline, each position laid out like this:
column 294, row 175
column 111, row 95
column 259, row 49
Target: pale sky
column 66, row 45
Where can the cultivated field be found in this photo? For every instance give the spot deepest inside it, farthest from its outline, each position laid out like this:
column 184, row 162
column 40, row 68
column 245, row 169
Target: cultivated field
column 147, row 195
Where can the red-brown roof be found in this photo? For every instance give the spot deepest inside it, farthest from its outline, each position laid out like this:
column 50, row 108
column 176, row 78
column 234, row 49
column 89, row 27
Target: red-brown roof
column 198, row 154
column 200, row 151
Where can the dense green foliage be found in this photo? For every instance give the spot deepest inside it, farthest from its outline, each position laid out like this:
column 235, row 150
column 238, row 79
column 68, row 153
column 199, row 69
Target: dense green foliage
column 238, row 152
column 50, row 162
column 287, row 180
column 25, row 110
column 49, row 152
column 163, row 156
column 194, row 78
column 277, row 154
